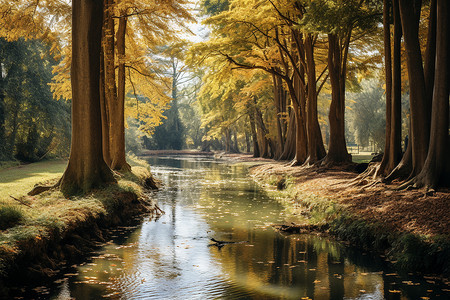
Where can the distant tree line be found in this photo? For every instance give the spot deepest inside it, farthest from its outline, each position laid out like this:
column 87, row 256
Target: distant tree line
column 32, row 124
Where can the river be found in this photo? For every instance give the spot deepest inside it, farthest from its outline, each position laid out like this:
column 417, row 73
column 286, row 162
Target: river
column 172, row 257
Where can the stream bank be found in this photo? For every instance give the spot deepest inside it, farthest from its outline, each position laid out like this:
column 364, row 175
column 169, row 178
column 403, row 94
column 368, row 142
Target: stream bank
column 409, row 227
column 50, row 232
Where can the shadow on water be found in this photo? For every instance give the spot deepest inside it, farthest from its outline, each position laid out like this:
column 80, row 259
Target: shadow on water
column 169, row 258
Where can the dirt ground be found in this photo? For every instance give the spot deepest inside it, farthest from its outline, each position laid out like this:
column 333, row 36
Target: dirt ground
column 407, row 210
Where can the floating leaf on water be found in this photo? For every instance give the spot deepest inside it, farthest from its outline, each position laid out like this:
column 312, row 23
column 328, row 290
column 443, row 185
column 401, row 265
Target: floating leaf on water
column 60, row 280
column 312, row 269
column 362, row 291
column 395, row 291
column 425, row 298
column 392, row 274
column 317, row 281
column 271, row 262
column 301, row 261
column 110, row 295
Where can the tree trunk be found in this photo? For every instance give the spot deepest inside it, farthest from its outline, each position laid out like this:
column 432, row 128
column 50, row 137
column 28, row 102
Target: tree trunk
column 435, row 171
column 420, row 108
column 388, row 74
column 104, row 108
column 395, row 149
column 337, row 148
column 3, row 154
column 110, row 89
column 251, row 116
column 247, row 142
column 289, row 147
column 277, row 92
column 265, row 142
column 86, row 168
column 430, row 53
column 301, row 142
column 118, row 156
column 316, row 149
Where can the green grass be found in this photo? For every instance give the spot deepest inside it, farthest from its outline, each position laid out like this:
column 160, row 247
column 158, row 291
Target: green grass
column 361, row 158
column 40, row 217
column 19, row 180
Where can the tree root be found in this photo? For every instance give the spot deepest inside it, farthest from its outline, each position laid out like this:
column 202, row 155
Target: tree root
column 367, row 178
column 39, row 189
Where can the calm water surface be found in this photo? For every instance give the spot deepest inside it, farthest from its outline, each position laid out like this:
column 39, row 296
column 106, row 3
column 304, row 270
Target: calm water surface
column 171, row 257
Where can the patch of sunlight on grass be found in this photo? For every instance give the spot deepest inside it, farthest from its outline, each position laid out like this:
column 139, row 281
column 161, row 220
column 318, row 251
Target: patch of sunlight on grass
column 19, row 180
column 361, row 158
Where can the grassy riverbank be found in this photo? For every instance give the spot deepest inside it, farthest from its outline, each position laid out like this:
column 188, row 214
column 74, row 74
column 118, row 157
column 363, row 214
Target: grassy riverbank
column 410, row 228
column 43, row 232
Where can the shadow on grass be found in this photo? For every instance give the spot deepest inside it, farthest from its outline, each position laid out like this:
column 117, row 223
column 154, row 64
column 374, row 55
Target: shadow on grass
column 44, row 170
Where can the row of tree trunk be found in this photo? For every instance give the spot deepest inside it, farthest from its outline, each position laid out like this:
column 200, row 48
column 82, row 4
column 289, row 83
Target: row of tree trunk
column 300, row 138
column 425, row 163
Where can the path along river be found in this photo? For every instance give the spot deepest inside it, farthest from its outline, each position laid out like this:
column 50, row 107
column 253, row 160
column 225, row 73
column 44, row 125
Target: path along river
column 171, row 257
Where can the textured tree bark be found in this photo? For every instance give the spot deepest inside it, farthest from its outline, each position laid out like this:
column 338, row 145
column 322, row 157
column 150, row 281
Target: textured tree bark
column 436, row 171
column 404, row 167
column 395, row 151
column 251, row 116
column 430, row 53
column 256, row 152
column 420, row 108
column 337, row 148
column 289, row 147
column 298, row 102
column 2, row 115
column 104, row 110
column 118, row 155
column 316, row 149
column 278, row 98
column 86, row 168
column 388, row 74
column 265, row 142
column 110, row 88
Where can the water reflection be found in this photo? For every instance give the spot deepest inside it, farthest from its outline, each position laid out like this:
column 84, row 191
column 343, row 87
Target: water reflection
column 169, row 258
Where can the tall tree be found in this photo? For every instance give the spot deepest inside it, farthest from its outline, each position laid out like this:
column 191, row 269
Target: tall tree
column 118, row 160
column 86, row 168
column 392, row 151
column 420, row 105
